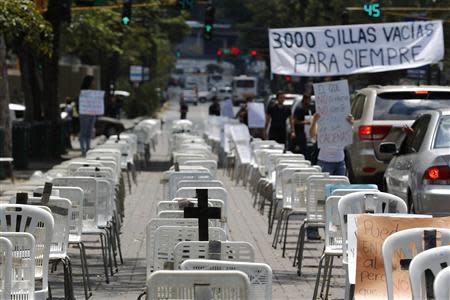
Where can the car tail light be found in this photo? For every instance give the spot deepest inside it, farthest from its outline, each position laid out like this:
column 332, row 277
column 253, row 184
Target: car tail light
column 437, row 175
column 373, row 132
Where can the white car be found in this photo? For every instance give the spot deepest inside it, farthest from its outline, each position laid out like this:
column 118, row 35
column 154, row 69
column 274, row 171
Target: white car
column 189, row 96
column 224, row 93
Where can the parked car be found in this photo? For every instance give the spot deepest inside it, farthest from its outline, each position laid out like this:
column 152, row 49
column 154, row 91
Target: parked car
column 380, row 112
column 189, row 96
column 224, row 93
column 419, row 172
column 204, row 96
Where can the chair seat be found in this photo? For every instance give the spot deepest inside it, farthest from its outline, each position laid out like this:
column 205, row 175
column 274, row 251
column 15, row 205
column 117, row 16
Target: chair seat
column 335, row 250
column 74, row 239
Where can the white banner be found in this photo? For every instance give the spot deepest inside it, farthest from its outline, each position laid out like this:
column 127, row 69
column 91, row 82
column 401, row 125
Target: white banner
column 226, row 109
column 353, row 49
column 256, row 115
column 92, row 102
column 333, row 104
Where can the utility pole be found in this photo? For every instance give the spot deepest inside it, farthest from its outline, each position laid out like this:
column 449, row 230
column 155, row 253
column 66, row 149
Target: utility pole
column 4, row 101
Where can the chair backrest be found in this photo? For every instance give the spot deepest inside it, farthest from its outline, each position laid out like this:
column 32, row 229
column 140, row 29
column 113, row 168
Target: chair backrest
column 171, row 214
column 176, row 204
column 150, row 235
column 330, row 188
column 441, row 285
column 89, row 187
column 199, row 183
column 299, row 188
column 37, row 221
column 213, row 193
column 6, row 258
column 176, row 177
column 99, row 172
column 227, row 250
column 105, row 201
column 271, row 160
column 279, row 169
column 410, row 242
column 22, row 272
column 61, row 210
column 166, row 237
column 333, row 233
column 366, row 202
column 76, row 196
column 211, row 165
column 260, row 275
column 74, row 166
column 429, row 262
column 286, row 179
column 190, row 285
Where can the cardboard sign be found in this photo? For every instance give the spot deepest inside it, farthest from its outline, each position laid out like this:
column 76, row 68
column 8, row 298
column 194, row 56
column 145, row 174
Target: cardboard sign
column 371, row 233
column 333, row 104
column 353, row 49
column 92, row 102
column 256, row 115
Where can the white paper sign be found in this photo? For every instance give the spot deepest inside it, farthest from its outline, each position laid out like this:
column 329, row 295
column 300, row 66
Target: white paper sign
column 333, row 104
column 256, row 115
column 353, row 49
column 92, row 102
column 227, row 109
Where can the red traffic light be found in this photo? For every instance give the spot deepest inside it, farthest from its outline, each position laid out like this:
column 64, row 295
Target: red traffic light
column 288, row 78
column 219, row 52
column 235, row 51
column 253, row 52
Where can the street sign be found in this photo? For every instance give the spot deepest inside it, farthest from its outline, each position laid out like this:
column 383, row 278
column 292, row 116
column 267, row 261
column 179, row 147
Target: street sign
column 136, row 73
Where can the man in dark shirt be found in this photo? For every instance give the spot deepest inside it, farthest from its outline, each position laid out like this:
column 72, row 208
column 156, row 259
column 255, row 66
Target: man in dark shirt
column 276, row 116
column 214, row 108
column 302, row 114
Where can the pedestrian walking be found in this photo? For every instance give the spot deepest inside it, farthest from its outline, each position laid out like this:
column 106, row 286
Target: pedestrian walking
column 87, row 122
column 214, row 108
column 276, row 117
column 302, row 117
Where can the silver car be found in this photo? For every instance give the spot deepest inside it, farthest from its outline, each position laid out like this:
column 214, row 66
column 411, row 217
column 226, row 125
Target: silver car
column 380, row 112
column 420, row 169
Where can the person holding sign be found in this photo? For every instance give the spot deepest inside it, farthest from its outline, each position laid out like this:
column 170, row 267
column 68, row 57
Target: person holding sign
column 91, row 104
column 276, row 117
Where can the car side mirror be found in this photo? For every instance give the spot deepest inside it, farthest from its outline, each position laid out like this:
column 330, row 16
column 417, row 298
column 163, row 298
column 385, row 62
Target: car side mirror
column 388, row 148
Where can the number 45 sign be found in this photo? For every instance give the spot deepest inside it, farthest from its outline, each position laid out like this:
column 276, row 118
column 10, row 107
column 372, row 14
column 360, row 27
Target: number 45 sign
column 373, row 10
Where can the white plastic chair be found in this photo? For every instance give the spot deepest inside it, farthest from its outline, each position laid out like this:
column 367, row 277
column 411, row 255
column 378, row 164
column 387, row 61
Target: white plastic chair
column 150, row 230
column 176, row 204
column 176, row 177
column 315, row 209
column 213, row 193
column 6, row 257
column 360, row 203
column 39, row 223
column 229, row 251
column 441, row 285
column 22, row 276
column 428, row 261
column 260, row 275
column 166, row 238
column 410, row 242
column 199, row 183
column 211, row 165
column 191, row 285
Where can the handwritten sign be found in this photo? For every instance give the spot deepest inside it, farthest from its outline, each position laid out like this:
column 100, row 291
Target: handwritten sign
column 353, row 49
column 333, row 105
column 256, row 115
column 227, row 108
column 371, row 233
column 92, row 103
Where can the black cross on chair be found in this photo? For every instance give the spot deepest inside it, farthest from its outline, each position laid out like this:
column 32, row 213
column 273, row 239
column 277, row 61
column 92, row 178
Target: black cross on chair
column 203, row 213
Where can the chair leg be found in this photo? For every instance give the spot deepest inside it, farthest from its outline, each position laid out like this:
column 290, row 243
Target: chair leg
column 277, row 229
column 84, row 270
column 301, row 249
column 104, row 255
column 113, row 247
column 319, row 271
column 272, row 212
column 329, row 277
column 298, row 244
column 286, row 224
column 117, row 236
column 129, row 181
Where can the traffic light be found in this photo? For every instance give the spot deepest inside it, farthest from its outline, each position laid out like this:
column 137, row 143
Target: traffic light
column 178, row 54
column 288, row 78
column 253, row 53
column 219, row 55
column 209, row 22
column 235, row 51
column 126, row 12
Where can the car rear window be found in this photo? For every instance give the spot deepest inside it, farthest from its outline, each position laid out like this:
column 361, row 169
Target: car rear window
column 245, row 83
column 443, row 133
column 407, row 105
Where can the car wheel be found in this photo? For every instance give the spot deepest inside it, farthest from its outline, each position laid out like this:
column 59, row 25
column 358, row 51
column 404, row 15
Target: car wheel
column 410, row 204
column 348, row 165
column 110, row 130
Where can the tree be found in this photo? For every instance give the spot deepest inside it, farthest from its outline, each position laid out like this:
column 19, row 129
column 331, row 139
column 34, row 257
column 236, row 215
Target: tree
column 22, row 29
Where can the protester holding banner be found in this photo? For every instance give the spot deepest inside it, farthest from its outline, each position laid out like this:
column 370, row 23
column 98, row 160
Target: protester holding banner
column 302, row 119
column 276, row 117
column 87, row 119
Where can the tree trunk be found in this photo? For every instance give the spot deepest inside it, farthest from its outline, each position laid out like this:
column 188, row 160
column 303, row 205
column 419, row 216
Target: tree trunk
column 5, row 121
column 31, row 85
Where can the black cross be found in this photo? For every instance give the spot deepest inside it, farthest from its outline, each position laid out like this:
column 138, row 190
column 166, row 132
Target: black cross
column 203, row 213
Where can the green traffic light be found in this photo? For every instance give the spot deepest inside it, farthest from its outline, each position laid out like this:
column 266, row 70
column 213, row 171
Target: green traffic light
column 125, row 20
column 208, row 28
